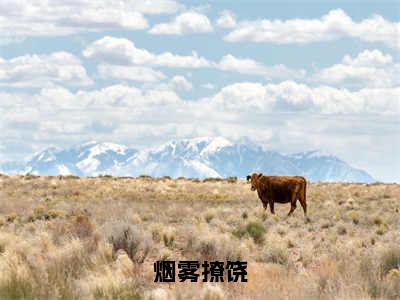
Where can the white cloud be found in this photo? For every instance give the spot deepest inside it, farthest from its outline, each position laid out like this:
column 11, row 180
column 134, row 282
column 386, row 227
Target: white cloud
column 133, row 73
column 369, row 58
column 208, row 86
column 43, row 70
column 154, row 6
column 242, row 65
column 118, row 96
column 291, row 96
column 123, row 51
column 334, row 25
column 180, row 82
column 187, row 22
column 237, row 99
column 250, row 66
column 29, row 18
column 288, row 116
column 370, row 68
column 226, row 20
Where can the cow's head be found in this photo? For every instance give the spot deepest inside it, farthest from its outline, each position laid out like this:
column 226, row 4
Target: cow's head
column 254, row 180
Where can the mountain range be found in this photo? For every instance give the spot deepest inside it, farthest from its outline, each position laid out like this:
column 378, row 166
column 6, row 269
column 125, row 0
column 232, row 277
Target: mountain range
column 194, row 158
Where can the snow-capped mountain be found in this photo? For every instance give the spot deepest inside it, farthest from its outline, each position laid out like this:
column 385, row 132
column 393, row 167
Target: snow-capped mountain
column 187, row 157
column 319, row 166
column 90, row 158
column 198, row 157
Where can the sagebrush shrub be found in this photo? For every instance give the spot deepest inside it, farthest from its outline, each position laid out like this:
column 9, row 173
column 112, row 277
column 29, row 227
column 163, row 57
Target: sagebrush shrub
column 390, row 259
column 256, row 230
column 134, row 241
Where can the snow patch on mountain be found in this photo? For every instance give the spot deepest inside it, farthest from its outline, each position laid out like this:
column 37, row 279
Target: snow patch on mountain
column 88, row 165
column 202, row 169
column 63, row 170
column 215, row 145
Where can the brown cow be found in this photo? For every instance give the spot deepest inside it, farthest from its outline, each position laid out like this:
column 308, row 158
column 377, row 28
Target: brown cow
column 280, row 189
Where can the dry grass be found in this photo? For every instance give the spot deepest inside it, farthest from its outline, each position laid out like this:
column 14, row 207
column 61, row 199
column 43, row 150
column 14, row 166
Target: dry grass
column 97, row 238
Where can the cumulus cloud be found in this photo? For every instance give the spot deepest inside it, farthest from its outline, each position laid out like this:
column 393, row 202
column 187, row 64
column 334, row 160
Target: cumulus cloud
column 250, row 66
column 131, row 73
column 334, row 25
column 28, row 18
column 180, row 82
column 154, row 6
column 43, row 70
column 119, row 96
column 123, row 51
column 370, row 68
column 226, row 20
column 187, row 22
column 369, row 58
column 291, row 96
column 286, row 115
column 239, row 99
column 244, row 65
column 208, row 86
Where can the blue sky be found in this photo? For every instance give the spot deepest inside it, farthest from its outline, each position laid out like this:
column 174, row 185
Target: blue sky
column 292, row 75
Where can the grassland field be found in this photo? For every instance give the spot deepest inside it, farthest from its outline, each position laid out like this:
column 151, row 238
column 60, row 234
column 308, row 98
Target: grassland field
column 97, row 238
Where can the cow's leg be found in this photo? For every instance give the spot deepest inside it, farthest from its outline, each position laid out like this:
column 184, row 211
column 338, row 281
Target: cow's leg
column 271, row 207
column 302, row 198
column 292, row 208
column 293, row 204
column 265, row 204
column 304, row 205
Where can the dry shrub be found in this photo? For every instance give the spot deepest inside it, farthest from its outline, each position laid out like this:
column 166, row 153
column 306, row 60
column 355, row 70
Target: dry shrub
column 213, row 179
column 232, row 179
column 130, row 238
column 382, row 229
column 276, row 253
column 119, row 292
column 156, row 232
column 390, row 260
column 37, row 269
column 212, row 292
column 370, row 275
column 209, row 215
column 207, row 245
column 376, row 220
column 11, row 218
column 83, row 227
column 341, row 229
column 355, row 217
column 168, row 237
column 157, row 294
column 207, row 248
column 16, row 287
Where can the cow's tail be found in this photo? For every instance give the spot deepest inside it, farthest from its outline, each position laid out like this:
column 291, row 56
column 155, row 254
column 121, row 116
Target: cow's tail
column 304, row 200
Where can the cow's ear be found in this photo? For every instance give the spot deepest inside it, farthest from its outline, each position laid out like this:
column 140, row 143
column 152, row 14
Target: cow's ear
column 259, row 175
column 248, row 177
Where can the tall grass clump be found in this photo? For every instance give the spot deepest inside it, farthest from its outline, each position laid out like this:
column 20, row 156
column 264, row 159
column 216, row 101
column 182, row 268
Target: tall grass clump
column 130, row 238
column 390, row 260
column 17, row 287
